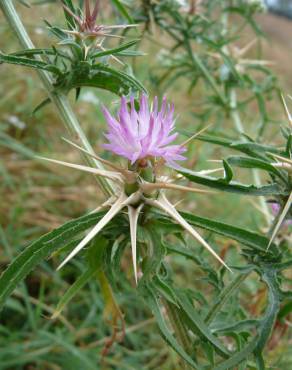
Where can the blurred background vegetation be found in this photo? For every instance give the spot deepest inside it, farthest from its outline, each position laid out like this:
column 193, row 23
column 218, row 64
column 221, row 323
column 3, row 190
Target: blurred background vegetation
column 36, row 197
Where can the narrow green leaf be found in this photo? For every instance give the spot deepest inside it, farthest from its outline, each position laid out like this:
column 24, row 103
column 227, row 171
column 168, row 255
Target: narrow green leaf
column 245, row 162
column 168, row 337
column 15, row 145
column 32, row 255
column 43, row 51
column 70, row 20
column 243, row 236
column 227, row 172
column 132, row 81
column 165, row 289
column 236, row 327
column 224, row 296
column 26, row 62
column 73, row 290
column 269, row 276
column 41, row 105
column 238, row 357
column 232, row 187
column 116, row 50
column 102, row 77
column 131, row 53
column 122, row 9
column 249, row 148
column 196, row 323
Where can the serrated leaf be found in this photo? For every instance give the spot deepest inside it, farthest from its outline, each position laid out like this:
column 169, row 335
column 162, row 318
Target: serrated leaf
column 132, row 81
column 269, row 276
column 165, row 288
column 238, row 326
column 116, row 50
column 75, row 47
column 232, row 187
column 26, row 62
column 43, row 51
column 238, row 357
column 197, row 325
column 58, row 32
column 245, row 162
column 249, row 148
column 156, row 252
column 244, row 236
column 103, row 78
column 32, row 255
column 69, row 18
column 151, row 300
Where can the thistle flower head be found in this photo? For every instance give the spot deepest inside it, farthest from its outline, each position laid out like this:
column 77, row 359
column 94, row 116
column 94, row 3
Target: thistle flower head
column 86, row 23
column 143, row 134
column 140, row 136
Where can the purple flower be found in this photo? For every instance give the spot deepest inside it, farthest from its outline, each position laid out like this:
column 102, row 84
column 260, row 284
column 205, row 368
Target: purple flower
column 143, row 134
column 276, row 209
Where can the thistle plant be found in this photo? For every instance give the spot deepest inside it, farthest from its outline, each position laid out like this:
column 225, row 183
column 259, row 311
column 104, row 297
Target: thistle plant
column 143, row 138
column 187, row 272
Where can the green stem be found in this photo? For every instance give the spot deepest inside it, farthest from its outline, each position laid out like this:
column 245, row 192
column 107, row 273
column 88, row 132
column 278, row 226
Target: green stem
column 225, row 294
column 179, row 329
column 59, row 100
column 199, row 64
column 234, row 112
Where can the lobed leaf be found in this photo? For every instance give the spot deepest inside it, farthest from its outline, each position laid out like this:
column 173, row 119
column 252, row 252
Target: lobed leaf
column 243, row 236
column 27, row 62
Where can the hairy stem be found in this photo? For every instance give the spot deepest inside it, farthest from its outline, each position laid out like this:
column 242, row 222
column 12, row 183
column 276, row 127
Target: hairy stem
column 59, row 100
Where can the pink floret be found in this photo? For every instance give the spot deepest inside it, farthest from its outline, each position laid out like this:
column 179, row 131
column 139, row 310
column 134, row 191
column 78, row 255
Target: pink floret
column 145, row 133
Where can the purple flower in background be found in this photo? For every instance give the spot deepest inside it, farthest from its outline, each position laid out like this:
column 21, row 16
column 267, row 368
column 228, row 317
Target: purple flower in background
column 145, row 133
column 276, row 209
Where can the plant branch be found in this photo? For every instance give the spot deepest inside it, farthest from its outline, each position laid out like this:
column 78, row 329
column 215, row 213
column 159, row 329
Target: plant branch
column 59, row 100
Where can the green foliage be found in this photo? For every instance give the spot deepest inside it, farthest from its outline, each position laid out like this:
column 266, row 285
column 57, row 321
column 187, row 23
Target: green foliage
column 198, row 307
column 73, row 64
column 38, row 251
